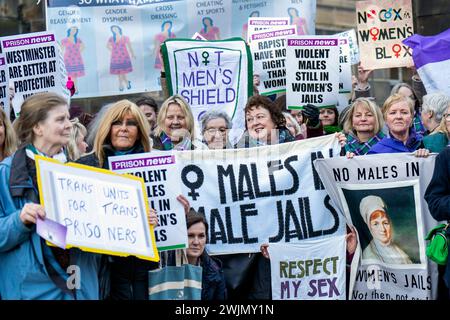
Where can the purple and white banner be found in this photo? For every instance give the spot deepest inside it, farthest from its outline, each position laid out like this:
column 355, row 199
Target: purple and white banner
column 431, row 56
column 312, row 71
column 35, row 65
column 158, row 169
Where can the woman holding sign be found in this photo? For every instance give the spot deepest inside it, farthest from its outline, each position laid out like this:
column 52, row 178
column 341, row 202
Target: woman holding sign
column 122, row 130
column 29, row 268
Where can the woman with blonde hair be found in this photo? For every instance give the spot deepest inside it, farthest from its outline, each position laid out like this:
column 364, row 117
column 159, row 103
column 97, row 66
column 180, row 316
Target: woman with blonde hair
column 398, row 112
column 8, row 140
column 175, row 128
column 77, row 146
column 362, row 126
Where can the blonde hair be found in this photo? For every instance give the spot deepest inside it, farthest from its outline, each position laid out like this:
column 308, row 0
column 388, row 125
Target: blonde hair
column 185, row 108
column 34, row 110
column 369, row 105
column 10, row 143
column 443, row 125
column 72, row 147
column 117, row 112
column 396, row 98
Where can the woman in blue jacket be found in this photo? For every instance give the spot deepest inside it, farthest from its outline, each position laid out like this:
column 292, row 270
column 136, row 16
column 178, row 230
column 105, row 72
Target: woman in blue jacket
column 29, row 268
column 398, row 112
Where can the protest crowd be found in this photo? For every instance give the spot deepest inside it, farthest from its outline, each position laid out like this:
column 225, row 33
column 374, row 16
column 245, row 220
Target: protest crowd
column 275, row 226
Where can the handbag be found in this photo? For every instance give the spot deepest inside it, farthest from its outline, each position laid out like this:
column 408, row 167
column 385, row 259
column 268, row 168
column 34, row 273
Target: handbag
column 180, row 282
column 437, row 248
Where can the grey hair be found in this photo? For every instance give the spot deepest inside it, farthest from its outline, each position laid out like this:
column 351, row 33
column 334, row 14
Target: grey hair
column 214, row 114
column 437, row 102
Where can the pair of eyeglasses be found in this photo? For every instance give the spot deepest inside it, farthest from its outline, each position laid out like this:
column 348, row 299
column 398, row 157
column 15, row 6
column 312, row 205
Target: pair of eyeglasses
column 128, row 123
column 447, row 116
column 213, row 131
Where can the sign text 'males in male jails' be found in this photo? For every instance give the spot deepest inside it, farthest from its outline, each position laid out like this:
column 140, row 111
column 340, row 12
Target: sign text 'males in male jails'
column 4, row 90
column 257, row 195
column 158, row 170
column 269, row 58
column 382, row 25
column 388, row 191
column 311, row 270
column 312, row 71
column 34, row 65
column 104, row 212
column 210, row 75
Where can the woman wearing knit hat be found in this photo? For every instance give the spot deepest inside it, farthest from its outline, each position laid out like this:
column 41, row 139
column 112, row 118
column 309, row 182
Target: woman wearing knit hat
column 382, row 247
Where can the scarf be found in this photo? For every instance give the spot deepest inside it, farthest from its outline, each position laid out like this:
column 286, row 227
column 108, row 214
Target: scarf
column 361, row 148
column 167, row 143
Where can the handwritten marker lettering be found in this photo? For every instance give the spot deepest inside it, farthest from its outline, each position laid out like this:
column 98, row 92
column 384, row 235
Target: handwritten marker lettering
column 374, row 32
column 396, row 48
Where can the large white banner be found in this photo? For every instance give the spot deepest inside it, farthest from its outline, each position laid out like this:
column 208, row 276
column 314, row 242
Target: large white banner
column 35, row 65
column 158, row 170
column 210, row 75
column 310, row 270
column 382, row 197
column 312, row 71
column 113, row 47
column 260, row 195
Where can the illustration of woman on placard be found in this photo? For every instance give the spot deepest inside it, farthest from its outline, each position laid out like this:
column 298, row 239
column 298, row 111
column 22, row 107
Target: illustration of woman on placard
column 166, row 33
column 298, row 21
column 245, row 26
column 208, row 31
column 72, row 47
column 121, row 49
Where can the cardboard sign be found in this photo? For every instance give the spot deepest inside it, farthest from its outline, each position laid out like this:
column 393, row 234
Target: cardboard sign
column 103, row 212
column 312, row 71
column 158, row 169
column 382, row 26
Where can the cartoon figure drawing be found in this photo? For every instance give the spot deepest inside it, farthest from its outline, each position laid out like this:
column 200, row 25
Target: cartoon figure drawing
column 72, row 48
column 121, row 49
column 298, row 21
column 209, row 31
column 166, row 33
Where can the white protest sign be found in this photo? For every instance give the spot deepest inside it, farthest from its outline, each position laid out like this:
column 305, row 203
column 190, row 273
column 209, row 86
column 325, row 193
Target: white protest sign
column 34, row 65
column 350, row 35
column 269, row 57
column 104, row 212
column 264, row 194
column 4, row 83
column 210, row 75
column 257, row 24
column 382, row 25
column 345, row 67
column 313, row 269
column 312, row 71
column 382, row 196
column 158, row 170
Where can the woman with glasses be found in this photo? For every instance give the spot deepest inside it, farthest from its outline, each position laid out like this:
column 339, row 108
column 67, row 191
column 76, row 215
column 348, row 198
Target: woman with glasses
column 215, row 126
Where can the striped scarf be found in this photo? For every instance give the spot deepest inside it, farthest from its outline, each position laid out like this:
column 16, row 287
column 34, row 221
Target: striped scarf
column 167, row 143
column 361, row 148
